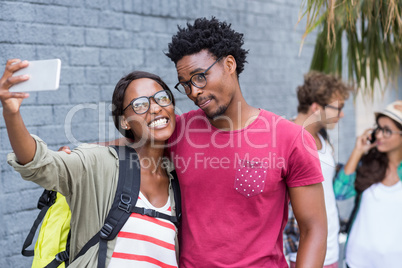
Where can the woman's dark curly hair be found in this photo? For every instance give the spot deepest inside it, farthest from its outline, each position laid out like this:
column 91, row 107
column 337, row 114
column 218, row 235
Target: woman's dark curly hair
column 373, row 166
column 215, row 36
column 119, row 93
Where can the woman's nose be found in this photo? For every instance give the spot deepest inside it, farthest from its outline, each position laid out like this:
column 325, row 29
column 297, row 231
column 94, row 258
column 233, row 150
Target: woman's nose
column 154, row 107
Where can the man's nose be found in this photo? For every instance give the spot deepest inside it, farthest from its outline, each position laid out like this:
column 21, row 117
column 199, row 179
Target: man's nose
column 195, row 91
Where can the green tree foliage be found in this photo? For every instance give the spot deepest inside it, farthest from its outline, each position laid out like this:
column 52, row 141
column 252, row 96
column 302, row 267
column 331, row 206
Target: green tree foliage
column 373, row 31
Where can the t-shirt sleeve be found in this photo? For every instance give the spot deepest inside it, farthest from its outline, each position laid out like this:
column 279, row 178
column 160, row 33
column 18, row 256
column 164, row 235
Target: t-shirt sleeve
column 304, row 164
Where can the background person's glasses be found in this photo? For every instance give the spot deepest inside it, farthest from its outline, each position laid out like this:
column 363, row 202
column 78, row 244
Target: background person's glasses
column 141, row 105
column 335, row 108
column 198, row 80
column 386, row 132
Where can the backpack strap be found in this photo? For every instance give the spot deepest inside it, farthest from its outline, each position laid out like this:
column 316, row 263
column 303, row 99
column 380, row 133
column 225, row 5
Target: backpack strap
column 154, row 214
column 46, row 200
column 128, row 188
column 59, row 259
column 177, row 196
column 63, row 256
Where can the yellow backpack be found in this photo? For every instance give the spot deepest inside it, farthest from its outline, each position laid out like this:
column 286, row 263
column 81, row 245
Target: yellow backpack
column 52, row 244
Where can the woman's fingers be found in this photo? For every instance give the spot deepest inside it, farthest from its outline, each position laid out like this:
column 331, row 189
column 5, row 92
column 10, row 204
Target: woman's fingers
column 8, row 80
column 14, row 65
column 366, row 136
column 368, row 132
column 12, row 80
column 363, row 143
column 4, row 95
column 65, row 149
column 398, row 107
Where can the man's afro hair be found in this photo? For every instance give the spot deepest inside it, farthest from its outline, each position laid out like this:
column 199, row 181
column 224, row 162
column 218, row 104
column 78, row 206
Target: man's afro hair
column 215, row 36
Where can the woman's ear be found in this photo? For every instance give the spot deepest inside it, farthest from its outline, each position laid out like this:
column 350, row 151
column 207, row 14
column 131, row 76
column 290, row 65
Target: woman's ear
column 124, row 124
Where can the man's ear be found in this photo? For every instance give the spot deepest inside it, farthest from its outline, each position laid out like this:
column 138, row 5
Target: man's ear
column 230, row 64
column 315, row 107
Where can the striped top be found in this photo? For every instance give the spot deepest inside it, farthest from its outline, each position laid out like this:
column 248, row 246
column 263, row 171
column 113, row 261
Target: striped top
column 146, row 241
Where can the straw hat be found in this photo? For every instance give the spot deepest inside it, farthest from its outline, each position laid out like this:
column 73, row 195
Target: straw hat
column 392, row 112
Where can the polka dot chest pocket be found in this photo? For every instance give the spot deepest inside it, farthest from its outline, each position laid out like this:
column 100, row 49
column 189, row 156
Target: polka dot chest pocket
column 250, row 177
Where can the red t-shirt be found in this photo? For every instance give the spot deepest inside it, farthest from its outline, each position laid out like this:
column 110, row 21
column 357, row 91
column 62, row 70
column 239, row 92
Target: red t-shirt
column 234, row 188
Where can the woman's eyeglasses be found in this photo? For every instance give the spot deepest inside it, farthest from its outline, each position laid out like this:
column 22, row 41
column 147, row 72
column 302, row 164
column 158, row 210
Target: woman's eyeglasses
column 141, row 105
column 386, row 132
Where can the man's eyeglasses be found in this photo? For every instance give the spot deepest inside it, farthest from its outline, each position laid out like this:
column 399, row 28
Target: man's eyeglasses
column 141, row 105
column 386, row 132
column 198, row 80
column 335, row 108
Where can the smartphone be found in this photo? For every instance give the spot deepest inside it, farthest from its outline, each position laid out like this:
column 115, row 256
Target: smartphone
column 372, row 136
column 43, row 75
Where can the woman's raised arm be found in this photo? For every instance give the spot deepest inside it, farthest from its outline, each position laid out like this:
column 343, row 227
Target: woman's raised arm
column 21, row 141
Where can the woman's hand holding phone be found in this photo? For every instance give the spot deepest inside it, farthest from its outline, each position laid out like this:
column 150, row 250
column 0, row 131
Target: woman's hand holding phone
column 11, row 101
column 365, row 142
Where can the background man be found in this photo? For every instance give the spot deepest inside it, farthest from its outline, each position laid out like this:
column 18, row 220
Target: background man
column 321, row 100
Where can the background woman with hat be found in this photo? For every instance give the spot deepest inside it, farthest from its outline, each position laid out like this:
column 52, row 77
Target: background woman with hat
column 373, row 175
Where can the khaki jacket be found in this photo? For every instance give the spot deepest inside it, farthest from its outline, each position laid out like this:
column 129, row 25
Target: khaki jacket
column 88, row 179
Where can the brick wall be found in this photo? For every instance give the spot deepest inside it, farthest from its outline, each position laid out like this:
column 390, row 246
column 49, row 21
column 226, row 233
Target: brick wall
column 98, row 41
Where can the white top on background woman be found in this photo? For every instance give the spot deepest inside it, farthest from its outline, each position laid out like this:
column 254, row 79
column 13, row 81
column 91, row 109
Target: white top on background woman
column 373, row 174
